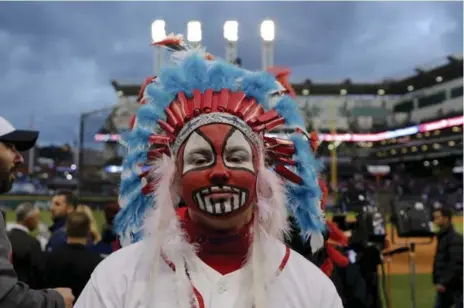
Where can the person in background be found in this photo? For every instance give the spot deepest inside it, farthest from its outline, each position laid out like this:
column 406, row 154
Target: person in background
column 447, row 264
column 64, row 202
column 95, row 235
column 13, row 293
column 27, row 253
column 109, row 242
column 75, row 258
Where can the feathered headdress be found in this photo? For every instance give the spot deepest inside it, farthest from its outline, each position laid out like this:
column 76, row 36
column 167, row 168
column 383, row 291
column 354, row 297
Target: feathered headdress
column 198, row 90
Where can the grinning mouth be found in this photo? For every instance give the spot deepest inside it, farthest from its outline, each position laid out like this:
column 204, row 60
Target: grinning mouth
column 220, row 200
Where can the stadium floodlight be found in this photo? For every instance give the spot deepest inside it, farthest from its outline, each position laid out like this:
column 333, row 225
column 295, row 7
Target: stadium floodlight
column 381, row 92
column 439, row 79
column 194, row 31
column 158, row 30
column 343, row 92
column 410, row 88
column 231, row 30
column 268, row 30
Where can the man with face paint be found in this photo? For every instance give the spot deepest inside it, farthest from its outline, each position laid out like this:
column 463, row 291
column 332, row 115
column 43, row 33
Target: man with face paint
column 202, row 130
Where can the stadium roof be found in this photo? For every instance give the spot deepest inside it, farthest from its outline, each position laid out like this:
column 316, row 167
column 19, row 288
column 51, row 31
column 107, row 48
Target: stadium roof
column 420, row 79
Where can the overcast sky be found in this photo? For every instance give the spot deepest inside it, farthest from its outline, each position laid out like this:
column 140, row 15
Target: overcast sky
column 57, row 59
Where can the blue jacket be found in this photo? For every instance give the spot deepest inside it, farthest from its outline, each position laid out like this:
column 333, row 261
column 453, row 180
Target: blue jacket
column 58, row 237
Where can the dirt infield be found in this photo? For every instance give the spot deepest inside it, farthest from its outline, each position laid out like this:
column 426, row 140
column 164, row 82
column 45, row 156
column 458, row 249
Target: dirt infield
column 425, row 251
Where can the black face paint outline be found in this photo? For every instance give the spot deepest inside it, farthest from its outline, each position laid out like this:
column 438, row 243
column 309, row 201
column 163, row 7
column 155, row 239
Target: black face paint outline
column 226, row 139
column 242, row 193
column 214, row 162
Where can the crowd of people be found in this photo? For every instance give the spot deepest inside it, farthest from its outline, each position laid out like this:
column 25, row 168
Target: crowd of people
column 73, row 244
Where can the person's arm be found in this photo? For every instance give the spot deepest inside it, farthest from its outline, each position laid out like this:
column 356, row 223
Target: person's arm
column 454, row 266
column 15, row 294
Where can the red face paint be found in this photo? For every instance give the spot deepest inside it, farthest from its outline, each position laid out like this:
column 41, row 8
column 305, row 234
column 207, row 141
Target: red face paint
column 219, row 170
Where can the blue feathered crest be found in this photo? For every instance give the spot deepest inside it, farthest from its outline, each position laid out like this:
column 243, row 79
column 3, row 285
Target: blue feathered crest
column 195, row 73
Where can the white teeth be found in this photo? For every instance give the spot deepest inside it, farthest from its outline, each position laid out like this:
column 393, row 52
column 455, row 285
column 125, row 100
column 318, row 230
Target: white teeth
column 209, row 206
column 200, row 202
column 235, row 202
column 227, row 205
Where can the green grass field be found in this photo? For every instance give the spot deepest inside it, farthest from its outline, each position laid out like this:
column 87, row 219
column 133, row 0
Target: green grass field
column 400, row 284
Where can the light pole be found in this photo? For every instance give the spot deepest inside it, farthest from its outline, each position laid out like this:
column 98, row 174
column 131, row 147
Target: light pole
column 231, row 37
column 267, row 49
column 194, row 32
column 158, row 33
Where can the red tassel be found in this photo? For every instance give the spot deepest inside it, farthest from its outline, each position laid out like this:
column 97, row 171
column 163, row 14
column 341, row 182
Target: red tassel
column 236, row 101
column 275, row 123
column 327, row 267
column 177, row 115
column 289, row 175
column 223, row 100
column 336, row 234
column 166, row 127
column 159, row 140
column 185, row 106
column 171, row 118
column 255, row 111
column 336, row 256
column 285, row 161
column 215, row 102
column 245, row 106
column 196, row 102
column 314, row 141
column 207, row 101
column 265, row 117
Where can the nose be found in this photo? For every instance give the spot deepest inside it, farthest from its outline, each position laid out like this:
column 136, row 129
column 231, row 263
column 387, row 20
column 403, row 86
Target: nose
column 19, row 159
column 219, row 175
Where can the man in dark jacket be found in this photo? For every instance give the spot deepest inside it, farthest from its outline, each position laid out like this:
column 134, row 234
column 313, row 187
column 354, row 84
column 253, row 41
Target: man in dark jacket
column 27, row 253
column 74, row 258
column 64, row 202
column 15, row 294
column 447, row 265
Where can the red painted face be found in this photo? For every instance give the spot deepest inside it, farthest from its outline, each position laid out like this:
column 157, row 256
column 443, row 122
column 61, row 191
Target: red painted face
column 218, row 168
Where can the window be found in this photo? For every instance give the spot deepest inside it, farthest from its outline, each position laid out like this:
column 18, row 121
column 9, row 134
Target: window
column 433, row 99
column 406, row 106
column 456, row 92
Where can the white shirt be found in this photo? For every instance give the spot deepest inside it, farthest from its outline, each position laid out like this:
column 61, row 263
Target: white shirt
column 120, row 281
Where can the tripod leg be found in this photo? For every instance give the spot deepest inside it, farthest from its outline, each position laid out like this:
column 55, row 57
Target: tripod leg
column 412, row 272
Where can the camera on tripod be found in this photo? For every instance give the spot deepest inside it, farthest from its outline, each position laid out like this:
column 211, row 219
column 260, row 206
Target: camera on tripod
column 368, row 229
column 411, row 217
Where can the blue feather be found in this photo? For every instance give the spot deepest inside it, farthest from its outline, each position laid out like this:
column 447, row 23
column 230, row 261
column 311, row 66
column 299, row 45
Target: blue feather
column 129, row 184
column 195, row 73
column 290, row 111
column 148, row 116
column 222, row 75
column 173, row 81
column 258, row 85
column 304, row 199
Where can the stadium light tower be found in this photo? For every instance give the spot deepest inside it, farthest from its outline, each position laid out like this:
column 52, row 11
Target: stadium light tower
column 267, row 49
column 194, row 32
column 158, row 33
column 231, row 37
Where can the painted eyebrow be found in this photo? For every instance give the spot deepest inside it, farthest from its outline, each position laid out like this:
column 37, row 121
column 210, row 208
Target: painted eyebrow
column 237, row 149
column 202, row 151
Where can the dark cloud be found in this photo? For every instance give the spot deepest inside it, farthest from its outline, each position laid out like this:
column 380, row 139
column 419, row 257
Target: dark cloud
column 56, row 59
